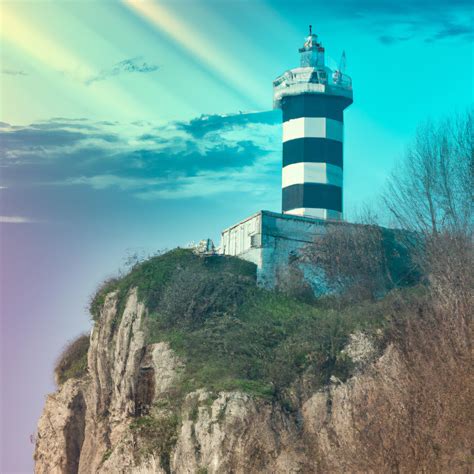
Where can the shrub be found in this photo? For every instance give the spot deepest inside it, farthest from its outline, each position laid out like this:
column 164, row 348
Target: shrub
column 363, row 261
column 156, row 436
column 291, row 280
column 193, row 295
column 98, row 299
column 72, row 363
column 263, row 341
column 152, row 277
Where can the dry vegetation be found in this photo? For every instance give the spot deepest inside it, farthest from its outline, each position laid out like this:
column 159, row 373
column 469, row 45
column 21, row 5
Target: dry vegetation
column 363, row 262
column 72, row 363
column 417, row 415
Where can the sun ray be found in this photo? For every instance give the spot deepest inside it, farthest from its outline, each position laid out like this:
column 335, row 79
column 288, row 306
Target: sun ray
column 40, row 46
column 209, row 52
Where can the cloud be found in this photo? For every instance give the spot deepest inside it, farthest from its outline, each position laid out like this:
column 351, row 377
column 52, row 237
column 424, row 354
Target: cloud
column 15, row 220
column 41, row 142
column 14, row 72
column 33, row 137
column 248, row 181
column 387, row 39
column 205, row 124
column 106, row 181
column 451, row 30
column 394, row 21
column 208, row 155
column 132, row 65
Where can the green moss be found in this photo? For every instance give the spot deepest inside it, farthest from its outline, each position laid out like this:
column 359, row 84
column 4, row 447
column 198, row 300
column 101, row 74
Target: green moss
column 106, row 455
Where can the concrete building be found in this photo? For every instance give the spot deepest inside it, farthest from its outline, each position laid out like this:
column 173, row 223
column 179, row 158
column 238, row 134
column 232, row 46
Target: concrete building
column 312, row 98
column 270, row 240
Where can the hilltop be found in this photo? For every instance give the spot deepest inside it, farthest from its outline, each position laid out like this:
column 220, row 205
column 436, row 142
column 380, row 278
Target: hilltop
column 190, row 367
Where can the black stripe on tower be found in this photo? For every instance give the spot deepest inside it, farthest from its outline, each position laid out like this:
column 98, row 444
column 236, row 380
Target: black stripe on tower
column 314, row 195
column 314, row 105
column 312, row 150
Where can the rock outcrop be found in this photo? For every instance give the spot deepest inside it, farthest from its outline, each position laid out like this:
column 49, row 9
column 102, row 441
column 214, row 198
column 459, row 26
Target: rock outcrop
column 61, row 430
column 120, row 418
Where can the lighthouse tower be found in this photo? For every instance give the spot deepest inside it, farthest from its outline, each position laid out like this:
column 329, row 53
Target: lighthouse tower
column 312, row 98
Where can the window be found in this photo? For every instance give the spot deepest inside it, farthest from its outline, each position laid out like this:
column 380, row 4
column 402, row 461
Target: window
column 256, row 240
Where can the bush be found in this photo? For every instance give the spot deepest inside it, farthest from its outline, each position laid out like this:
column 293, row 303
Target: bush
column 291, row 280
column 72, row 363
column 193, row 296
column 156, row 436
column 98, row 299
column 234, row 336
column 363, row 261
column 152, row 277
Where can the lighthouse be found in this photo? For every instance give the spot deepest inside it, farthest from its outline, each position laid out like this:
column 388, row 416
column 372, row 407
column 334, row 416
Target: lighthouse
column 313, row 98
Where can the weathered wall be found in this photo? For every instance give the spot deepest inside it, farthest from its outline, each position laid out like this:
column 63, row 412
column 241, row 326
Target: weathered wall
column 270, row 240
column 283, row 237
column 244, row 240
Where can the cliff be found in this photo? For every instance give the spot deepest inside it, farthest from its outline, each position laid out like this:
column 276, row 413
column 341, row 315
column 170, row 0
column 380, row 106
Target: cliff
column 191, row 369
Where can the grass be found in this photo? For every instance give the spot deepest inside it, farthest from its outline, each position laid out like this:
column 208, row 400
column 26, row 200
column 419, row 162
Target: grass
column 152, row 276
column 266, row 343
column 157, row 435
column 72, row 363
column 235, row 336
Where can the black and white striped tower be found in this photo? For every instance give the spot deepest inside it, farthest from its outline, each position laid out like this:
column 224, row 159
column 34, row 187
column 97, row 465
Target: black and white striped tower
column 313, row 98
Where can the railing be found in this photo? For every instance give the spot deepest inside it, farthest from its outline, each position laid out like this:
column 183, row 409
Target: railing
column 312, row 76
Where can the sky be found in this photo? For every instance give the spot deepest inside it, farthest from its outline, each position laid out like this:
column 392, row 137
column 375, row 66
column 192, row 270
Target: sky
column 129, row 127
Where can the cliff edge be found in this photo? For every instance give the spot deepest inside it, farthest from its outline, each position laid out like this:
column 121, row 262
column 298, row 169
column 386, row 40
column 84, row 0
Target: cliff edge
column 193, row 369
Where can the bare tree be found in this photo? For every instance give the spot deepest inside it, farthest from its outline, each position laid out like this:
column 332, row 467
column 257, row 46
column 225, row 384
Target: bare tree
column 431, row 190
column 432, row 194
column 352, row 260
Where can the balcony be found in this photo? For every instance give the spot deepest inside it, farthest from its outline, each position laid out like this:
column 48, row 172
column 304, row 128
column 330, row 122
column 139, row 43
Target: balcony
column 309, row 80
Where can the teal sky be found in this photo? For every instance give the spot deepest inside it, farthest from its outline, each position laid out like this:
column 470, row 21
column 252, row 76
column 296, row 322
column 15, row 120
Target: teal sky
column 134, row 126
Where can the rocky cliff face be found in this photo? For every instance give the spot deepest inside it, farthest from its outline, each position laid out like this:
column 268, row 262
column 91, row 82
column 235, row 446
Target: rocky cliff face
column 121, row 417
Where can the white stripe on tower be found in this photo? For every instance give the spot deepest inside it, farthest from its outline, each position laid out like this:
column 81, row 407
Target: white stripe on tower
column 313, row 127
column 300, row 173
column 316, row 213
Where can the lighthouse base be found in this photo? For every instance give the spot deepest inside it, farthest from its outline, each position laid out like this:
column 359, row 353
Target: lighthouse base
column 273, row 241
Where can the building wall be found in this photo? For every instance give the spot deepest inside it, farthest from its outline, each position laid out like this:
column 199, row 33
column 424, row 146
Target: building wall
column 270, row 240
column 244, row 240
column 283, row 237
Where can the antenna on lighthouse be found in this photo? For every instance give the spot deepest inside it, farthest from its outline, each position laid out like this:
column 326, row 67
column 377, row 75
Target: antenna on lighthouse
column 342, row 63
column 310, row 30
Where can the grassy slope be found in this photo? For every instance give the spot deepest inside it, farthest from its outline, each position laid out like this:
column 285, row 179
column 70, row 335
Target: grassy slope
column 234, row 335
